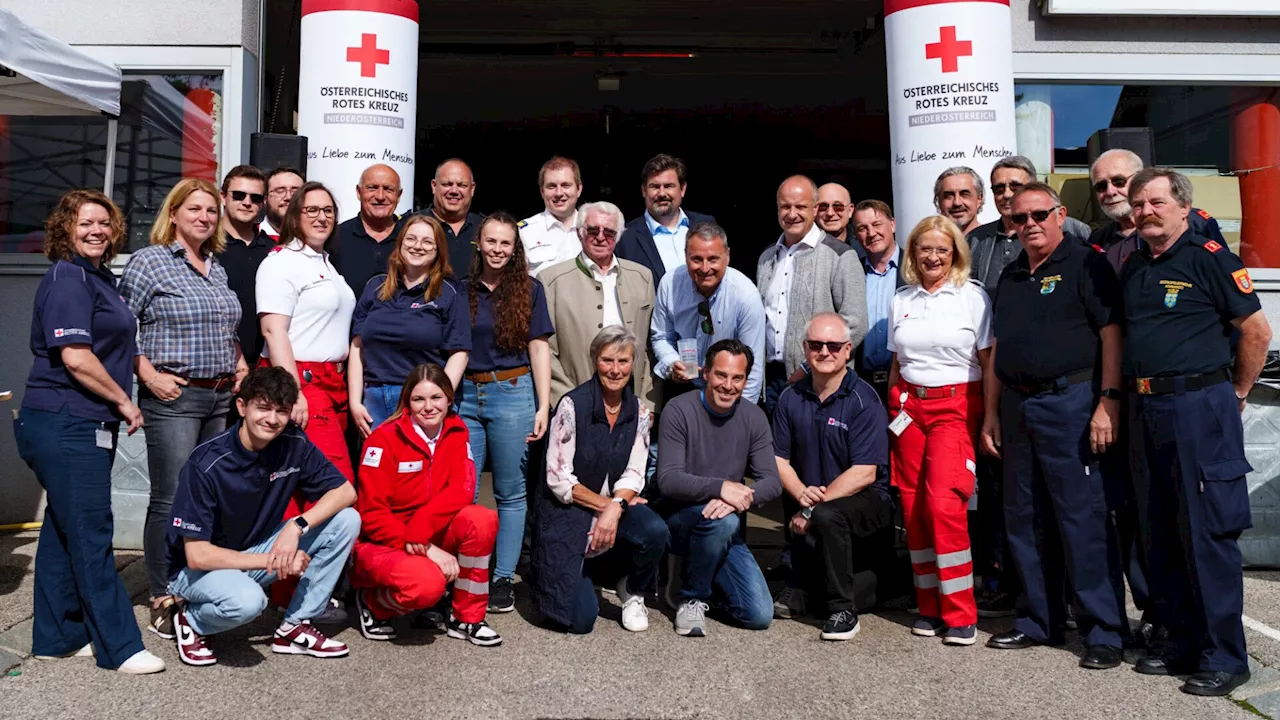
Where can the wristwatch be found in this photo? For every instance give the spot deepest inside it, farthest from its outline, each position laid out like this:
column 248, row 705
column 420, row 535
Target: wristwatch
column 622, row 503
column 1111, row 394
column 302, row 524
column 807, row 513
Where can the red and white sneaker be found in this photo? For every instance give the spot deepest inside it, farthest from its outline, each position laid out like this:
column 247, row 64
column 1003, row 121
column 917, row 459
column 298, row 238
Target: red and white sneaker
column 305, row 639
column 192, row 649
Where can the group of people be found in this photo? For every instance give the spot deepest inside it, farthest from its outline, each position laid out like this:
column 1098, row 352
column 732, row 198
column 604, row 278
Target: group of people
column 634, row 398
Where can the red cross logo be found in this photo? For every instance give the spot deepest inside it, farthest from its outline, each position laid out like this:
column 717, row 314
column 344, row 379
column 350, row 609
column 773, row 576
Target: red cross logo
column 370, row 57
column 947, row 49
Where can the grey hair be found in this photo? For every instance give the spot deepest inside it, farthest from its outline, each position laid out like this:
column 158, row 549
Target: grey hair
column 848, row 334
column 1135, row 161
column 958, row 170
column 610, row 336
column 1179, row 185
column 708, row 231
column 1039, row 187
column 1016, row 162
column 605, row 207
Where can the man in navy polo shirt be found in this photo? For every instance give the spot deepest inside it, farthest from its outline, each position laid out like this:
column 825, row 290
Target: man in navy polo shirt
column 226, row 541
column 830, row 441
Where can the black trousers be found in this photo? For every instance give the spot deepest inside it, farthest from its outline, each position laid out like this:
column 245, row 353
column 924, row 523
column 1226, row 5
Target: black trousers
column 847, row 538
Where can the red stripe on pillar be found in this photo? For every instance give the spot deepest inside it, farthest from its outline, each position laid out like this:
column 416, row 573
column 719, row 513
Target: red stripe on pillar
column 198, row 160
column 403, row 8
column 893, row 6
column 1255, row 154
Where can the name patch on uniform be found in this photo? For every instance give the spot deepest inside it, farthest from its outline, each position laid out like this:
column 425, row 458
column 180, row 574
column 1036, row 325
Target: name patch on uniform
column 283, row 473
column 1171, row 290
column 1213, row 246
column 1049, row 284
column 1243, row 282
column 372, row 457
column 413, row 466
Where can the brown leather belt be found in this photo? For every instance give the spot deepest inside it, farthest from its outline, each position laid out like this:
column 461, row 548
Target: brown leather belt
column 212, row 383
column 944, row 391
column 497, row 375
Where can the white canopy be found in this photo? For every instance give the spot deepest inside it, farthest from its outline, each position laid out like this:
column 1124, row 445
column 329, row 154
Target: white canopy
column 42, row 75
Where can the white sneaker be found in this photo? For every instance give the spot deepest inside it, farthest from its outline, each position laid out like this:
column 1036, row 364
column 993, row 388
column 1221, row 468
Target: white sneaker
column 141, row 663
column 635, row 617
column 86, row 651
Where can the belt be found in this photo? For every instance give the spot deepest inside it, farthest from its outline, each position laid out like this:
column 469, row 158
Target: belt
column 1170, row 385
column 305, row 368
column 1058, row 384
column 492, row 376
column 214, row 383
column 944, row 391
column 875, row 376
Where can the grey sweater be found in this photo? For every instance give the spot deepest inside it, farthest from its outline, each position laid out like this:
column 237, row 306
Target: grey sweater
column 698, row 451
column 828, row 278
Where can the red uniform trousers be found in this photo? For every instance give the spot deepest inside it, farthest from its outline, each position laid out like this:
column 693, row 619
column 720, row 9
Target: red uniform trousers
column 397, row 583
column 326, row 395
column 933, row 469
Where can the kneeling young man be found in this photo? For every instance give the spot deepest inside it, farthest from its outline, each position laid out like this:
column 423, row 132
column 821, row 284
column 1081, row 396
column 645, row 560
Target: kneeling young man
column 830, row 439
column 708, row 441
column 226, row 540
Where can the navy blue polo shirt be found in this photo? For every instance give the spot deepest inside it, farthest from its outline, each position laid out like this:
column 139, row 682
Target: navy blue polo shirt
column 408, row 330
column 1178, row 307
column 462, row 245
column 822, row 439
column 358, row 257
column 485, row 356
column 78, row 304
column 236, row 498
column 241, row 261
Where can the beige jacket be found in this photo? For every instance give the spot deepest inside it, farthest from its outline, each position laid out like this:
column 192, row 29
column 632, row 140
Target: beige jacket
column 574, row 301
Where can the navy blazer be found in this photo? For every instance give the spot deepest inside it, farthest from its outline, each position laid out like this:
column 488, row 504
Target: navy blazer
column 636, row 244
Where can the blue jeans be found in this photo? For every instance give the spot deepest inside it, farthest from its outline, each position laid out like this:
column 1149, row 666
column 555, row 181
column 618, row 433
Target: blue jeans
column 642, row 539
column 219, row 600
column 79, row 597
column 499, row 416
column 717, row 559
column 381, row 403
column 173, row 429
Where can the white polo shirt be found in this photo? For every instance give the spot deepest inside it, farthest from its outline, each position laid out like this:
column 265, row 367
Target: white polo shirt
column 937, row 337
column 548, row 241
column 776, row 302
column 297, row 281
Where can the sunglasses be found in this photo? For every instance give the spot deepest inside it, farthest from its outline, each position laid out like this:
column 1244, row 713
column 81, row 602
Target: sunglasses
column 255, row 198
column 1118, row 182
column 999, row 188
column 1037, row 215
column 834, row 207
column 832, row 347
column 704, row 309
column 596, row 230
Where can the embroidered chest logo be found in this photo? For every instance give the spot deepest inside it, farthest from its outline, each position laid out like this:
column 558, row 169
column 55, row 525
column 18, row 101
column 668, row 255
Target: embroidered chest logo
column 417, row 305
column 283, row 473
column 1049, row 284
column 1171, row 290
column 832, row 422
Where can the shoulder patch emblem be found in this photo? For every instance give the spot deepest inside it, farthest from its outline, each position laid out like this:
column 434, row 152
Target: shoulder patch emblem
column 522, row 224
column 1213, row 246
column 277, row 248
column 372, row 457
column 1204, row 214
column 1243, row 282
column 1099, row 249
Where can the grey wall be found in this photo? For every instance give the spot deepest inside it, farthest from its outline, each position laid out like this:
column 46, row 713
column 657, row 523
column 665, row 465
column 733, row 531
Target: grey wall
column 1174, row 35
column 20, row 496
column 143, row 22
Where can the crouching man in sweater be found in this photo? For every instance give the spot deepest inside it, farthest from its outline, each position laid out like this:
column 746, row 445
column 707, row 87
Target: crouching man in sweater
column 226, row 540
column 708, row 443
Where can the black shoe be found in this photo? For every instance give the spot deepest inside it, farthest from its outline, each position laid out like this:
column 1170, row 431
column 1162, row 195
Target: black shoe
column 1211, row 683
column 502, row 595
column 1070, row 621
column 1012, row 640
column 1101, row 657
column 997, row 605
column 841, row 626
column 1165, row 665
column 371, row 627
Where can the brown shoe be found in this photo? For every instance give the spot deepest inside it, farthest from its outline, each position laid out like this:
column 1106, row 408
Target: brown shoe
column 162, row 618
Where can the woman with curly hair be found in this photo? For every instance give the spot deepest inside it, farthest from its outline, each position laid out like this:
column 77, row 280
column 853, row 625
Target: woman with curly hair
column 77, row 394
column 411, row 315
column 510, row 363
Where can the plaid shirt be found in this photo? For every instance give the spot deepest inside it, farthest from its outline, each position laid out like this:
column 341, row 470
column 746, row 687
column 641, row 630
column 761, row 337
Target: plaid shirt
column 187, row 323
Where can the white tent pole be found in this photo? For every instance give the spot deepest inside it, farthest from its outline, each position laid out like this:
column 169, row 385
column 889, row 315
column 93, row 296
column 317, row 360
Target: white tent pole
column 109, row 172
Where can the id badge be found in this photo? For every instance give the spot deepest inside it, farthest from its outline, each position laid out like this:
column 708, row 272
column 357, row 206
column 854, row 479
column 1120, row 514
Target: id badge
column 102, row 438
column 900, row 423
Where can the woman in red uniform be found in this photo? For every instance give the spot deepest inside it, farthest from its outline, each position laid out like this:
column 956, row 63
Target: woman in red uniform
column 420, row 530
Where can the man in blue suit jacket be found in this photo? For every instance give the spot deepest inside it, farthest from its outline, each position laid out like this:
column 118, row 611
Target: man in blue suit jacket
column 656, row 238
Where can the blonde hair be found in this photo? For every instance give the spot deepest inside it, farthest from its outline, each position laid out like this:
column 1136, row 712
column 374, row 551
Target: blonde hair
column 961, row 259
column 163, row 230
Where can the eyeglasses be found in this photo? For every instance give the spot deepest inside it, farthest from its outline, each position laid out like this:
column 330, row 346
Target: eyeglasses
column 931, row 252
column 1118, row 182
column 283, row 192
column 240, row 195
column 418, row 242
column 832, row 347
column 834, row 207
column 595, row 231
column 313, row 211
column 999, row 188
column 1037, row 215
column 704, row 309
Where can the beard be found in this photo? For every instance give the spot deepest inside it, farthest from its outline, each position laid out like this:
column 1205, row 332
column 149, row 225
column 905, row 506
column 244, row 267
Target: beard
column 1119, row 212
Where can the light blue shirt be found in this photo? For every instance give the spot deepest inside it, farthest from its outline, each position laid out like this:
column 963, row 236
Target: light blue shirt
column 670, row 243
column 880, row 290
column 736, row 312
